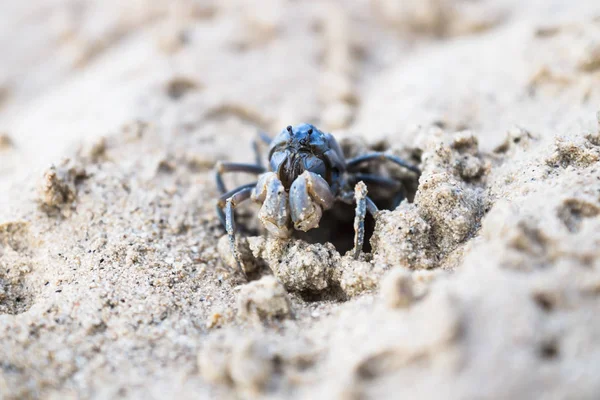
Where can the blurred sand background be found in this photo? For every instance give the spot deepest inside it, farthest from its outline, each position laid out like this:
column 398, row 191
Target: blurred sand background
column 112, row 280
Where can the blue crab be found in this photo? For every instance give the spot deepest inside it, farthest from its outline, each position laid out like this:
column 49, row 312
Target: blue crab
column 307, row 174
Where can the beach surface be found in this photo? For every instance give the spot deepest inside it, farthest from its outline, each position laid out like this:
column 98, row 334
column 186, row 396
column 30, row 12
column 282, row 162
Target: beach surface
column 116, row 280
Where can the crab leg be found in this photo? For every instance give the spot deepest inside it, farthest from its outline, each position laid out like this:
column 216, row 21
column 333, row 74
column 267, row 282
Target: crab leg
column 223, row 201
column 354, row 162
column 241, row 194
column 363, row 205
column 261, row 137
column 223, row 167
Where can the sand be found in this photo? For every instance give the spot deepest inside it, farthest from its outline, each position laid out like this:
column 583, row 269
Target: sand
column 115, row 279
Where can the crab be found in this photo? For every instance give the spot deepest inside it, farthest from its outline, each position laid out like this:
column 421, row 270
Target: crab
column 306, row 175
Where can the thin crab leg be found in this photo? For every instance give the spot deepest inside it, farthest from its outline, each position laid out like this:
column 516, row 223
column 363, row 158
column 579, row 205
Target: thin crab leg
column 354, row 162
column 230, row 204
column 363, row 205
column 223, row 167
column 261, row 137
column 221, row 203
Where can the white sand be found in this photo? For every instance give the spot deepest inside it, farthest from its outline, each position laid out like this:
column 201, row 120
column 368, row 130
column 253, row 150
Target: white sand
column 112, row 115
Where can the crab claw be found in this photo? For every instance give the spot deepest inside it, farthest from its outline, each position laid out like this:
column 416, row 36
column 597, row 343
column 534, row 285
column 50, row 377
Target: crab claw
column 309, row 196
column 274, row 213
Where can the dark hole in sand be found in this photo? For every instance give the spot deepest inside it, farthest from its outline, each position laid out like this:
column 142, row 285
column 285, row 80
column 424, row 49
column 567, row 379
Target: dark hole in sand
column 178, row 87
column 549, row 350
column 336, row 226
column 544, row 301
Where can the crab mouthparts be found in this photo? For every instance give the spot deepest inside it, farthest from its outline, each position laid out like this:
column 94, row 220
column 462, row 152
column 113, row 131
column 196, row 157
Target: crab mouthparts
column 291, row 168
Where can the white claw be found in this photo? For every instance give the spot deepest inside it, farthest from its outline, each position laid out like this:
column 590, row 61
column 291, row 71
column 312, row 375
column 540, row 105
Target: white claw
column 274, row 213
column 309, row 196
